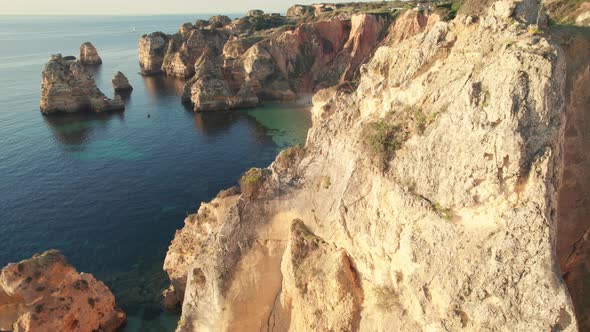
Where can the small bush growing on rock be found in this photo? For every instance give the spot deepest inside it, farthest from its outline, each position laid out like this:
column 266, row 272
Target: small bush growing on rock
column 384, row 137
column 443, row 212
column 252, row 181
column 534, row 30
column 423, row 120
column 252, row 176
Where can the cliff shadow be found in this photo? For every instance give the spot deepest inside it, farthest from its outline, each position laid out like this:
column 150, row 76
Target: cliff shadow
column 159, row 86
column 214, row 124
column 573, row 210
column 77, row 128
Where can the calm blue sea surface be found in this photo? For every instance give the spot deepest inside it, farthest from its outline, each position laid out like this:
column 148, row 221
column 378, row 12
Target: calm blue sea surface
column 110, row 190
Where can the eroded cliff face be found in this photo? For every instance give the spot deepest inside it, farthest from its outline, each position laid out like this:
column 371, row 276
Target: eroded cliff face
column 45, row 293
column 260, row 57
column 424, row 199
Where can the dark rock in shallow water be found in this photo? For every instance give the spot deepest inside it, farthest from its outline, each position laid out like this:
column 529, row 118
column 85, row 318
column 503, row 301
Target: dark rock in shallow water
column 68, row 87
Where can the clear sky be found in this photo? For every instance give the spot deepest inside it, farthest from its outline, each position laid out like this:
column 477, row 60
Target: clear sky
column 139, row 7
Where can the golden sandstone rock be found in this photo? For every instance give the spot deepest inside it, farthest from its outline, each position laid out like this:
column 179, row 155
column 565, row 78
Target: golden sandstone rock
column 45, row 293
column 454, row 229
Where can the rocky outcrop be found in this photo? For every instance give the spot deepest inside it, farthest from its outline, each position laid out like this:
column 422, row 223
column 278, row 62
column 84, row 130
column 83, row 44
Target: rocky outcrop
column 67, row 87
column 121, row 83
column 366, row 32
column 312, row 268
column 219, row 21
column 262, row 57
column 255, row 12
column 300, row 11
column 45, row 293
column 89, row 55
column 409, row 24
column 425, row 197
column 152, row 49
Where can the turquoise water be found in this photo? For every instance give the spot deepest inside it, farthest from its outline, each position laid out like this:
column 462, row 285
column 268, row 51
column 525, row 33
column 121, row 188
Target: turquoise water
column 110, row 190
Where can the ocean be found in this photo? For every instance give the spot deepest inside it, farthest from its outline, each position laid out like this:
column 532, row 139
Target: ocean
column 109, row 190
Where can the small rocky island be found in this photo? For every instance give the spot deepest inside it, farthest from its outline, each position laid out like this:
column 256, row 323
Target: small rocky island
column 45, row 293
column 68, row 87
column 121, row 83
column 89, row 55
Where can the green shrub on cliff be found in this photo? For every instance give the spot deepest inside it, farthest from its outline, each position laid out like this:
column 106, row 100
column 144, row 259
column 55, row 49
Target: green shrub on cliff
column 252, row 181
column 253, row 176
column 448, row 10
column 445, row 213
column 384, row 137
column 423, row 120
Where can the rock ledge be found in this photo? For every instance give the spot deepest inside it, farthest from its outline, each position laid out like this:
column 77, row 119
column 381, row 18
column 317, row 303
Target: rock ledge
column 45, row 293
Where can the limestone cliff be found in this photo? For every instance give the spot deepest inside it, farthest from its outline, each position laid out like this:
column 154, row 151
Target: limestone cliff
column 45, row 293
column 67, row 87
column 261, row 56
column 425, row 198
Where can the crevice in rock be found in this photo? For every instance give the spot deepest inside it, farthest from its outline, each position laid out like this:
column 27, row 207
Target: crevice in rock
column 272, row 315
column 573, row 211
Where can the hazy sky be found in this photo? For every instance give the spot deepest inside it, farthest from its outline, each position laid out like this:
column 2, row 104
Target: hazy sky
column 138, row 7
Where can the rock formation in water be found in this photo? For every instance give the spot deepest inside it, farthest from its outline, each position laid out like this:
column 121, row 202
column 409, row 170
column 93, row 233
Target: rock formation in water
column 67, row 87
column 89, row 55
column 45, row 293
column 152, row 49
column 425, row 198
column 121, row 83
column 237, row 64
